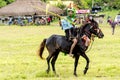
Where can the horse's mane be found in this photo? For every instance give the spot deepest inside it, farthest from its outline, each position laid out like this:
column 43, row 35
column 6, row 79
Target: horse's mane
column 82, row 27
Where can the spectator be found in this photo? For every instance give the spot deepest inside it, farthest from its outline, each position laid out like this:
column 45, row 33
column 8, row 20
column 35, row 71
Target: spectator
column 10, row 20
column 37, row 21
column 51, row 17
column 48, row 20
column 29, row 19
column 20, row 22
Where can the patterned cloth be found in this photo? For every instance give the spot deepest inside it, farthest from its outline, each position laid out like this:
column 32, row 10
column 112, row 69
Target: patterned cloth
column 66, row 24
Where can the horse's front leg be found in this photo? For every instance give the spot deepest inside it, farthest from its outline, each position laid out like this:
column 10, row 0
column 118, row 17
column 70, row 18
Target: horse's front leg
column 87, row 65
column 75, row 64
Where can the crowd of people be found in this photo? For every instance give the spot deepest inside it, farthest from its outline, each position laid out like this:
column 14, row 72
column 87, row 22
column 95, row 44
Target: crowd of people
column 26, row 20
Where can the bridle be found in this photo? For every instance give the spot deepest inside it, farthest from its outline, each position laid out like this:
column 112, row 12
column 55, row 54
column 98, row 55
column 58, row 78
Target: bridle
column 97, row 30
column 89, row 34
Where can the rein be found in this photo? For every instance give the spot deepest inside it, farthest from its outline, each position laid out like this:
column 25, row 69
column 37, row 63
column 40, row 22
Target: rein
column 90, row 45
column 86, row 30
column 91, row 38
column 88, row 34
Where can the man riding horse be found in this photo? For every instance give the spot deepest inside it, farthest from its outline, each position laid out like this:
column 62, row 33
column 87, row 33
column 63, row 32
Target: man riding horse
column 68, row 25
column 75, row 42
column 58, row 43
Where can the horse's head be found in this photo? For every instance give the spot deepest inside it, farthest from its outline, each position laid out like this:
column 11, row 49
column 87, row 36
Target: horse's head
column 94, row 29
column 88, row 29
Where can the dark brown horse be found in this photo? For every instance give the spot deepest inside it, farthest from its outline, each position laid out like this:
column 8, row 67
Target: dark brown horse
column 58, row 43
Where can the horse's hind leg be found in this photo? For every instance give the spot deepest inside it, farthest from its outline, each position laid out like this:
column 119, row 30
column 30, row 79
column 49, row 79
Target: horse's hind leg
column 87, row 65
column 53, row 62
column 48, row 62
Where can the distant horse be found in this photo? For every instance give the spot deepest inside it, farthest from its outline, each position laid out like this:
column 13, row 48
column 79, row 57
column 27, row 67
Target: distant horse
column 59, row 43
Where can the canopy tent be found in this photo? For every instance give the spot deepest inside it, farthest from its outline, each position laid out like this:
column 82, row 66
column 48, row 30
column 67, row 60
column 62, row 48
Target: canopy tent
column 28, row 7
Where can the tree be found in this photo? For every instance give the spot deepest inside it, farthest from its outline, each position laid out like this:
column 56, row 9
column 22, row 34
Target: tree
column 116, row 4
column 2, row 3
column 106, row 4
column 44, row 0
column 83, row 3
column 9, row 1
column 5, row 2
column 60, row 4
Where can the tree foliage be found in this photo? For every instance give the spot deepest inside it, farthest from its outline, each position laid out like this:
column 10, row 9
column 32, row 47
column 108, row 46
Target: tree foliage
column 5, row 2
column 9, row 1
column 2, row 3
column 106, row 4
column 61, row 5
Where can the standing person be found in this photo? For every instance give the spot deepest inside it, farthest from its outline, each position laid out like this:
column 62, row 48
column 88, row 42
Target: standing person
column 48, row 20
column 34, row 17
column 51, row 18
column 68, row 26
column 20, row 21
column 29, row 20
column 10, row 20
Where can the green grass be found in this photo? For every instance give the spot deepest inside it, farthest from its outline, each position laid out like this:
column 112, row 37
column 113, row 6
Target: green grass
column 19, row 60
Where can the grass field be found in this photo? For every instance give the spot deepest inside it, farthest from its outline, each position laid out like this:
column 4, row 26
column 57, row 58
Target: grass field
column 19, row 60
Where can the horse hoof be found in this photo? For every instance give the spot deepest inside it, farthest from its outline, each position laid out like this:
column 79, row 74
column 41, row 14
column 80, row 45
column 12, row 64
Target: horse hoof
column 85, row 71
column 75, row 74
column 47, row 71
column 57, row 75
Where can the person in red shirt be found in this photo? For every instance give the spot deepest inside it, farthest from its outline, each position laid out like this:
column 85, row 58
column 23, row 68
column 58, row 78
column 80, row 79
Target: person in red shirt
column 48, row 20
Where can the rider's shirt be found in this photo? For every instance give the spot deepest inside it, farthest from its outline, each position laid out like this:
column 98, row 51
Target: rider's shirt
column 66, row 23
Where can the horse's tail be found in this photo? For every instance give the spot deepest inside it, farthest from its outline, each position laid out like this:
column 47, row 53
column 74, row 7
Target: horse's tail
column 41, row 49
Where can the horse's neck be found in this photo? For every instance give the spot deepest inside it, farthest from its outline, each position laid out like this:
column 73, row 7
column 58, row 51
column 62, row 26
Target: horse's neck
column 88, row 34
column 86, row 30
